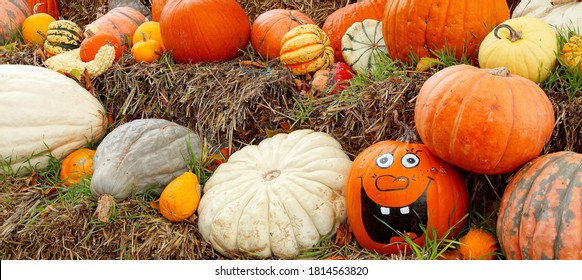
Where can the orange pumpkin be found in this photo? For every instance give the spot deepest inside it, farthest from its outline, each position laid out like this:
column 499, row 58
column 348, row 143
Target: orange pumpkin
column 180, row 198
column 337, row 23
column 35, row 27
column 478, row 244
column 540, row 214
column 151, row 30
column 483, row 120
column 395, row 188
column 12, row 15
column 50, row 7
column 76, row 166
column 270, row 27
column 120, row 22
column 204, row 30
column 147, row 50
column 415, row 28
column 91, row 45
column 157, row 8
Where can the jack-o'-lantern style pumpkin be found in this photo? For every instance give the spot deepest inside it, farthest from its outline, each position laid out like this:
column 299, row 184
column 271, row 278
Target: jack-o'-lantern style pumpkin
column 397, row 189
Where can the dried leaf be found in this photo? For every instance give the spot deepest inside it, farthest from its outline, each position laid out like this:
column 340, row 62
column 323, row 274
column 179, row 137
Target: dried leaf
column 191, row 219
column 343, row 235
column 155, row 204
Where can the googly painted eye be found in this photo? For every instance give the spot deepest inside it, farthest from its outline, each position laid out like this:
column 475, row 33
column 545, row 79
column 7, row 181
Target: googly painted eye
column 385, row 160
column 410, row 160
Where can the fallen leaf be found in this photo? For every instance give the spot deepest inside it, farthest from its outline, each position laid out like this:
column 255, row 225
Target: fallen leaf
column 343, row 235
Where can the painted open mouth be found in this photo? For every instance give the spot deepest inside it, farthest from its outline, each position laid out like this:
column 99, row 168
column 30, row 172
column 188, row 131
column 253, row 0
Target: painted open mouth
column 385, row 224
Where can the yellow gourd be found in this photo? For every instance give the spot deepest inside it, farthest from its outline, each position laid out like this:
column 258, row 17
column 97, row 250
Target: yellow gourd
column 572, row 52
column 306, row 48
column 35, row 27
column 179, row 200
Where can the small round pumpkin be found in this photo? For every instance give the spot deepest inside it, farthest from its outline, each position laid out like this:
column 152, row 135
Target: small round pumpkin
column 91, row 45
column 525, row 46
column 540, row 215
column 572, row 53
column 270, row 27
column 305, row 49
column 76, row 166
column 35, row 27
column 151, row 30
column 487, row 121
column 363, row 44
column 179, row 199
column 147, row 50
column 478, row 244
column 397, row 188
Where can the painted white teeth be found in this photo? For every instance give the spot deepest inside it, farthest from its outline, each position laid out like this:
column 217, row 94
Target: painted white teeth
column 404, row 210
column 385, row 210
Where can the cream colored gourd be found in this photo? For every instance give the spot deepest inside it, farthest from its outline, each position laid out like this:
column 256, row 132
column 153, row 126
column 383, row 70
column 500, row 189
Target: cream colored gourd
column 363, row 44
column 277, row 197
column 526, row 46
column 561, row 16
column 44, row 113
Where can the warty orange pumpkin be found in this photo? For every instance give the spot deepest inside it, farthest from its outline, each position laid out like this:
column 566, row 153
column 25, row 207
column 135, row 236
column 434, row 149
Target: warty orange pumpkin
column 76, row 166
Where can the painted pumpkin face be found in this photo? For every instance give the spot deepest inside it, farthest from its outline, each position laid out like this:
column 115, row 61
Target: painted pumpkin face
column 395, row 189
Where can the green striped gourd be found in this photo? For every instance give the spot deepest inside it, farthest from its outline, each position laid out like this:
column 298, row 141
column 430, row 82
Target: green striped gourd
column 62, row 36
column 362, row 45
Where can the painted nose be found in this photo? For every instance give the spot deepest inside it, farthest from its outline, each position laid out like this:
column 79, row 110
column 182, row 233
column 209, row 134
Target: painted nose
column 390, row 183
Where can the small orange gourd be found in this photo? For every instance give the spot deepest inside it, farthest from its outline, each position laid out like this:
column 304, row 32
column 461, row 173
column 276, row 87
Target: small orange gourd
column 76, row 166
column 147, row 50
column 478, row 244
column 179, row 200
column 151, row 29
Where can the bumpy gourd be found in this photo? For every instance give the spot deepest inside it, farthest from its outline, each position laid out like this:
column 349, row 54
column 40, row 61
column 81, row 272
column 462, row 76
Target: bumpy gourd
column 43, row 112
column 277, row 197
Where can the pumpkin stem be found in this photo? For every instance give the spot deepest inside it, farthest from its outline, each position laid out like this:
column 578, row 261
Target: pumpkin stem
column 35, row 8
column 104, row 206
column 408, row 136
column 143, row 37
column 514, row 35
column 89, row 33
column 499, row 71
column 294, row 18
column 41, row 34
column 271, row 175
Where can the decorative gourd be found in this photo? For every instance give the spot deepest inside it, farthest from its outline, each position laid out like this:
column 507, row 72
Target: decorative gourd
column 270, row 27
column 276, row 198
column 337, row 23
column 204, row 30
column 179, row 199
column 305, row 48
column 157, row 8
column 333, row 80
column 77, row 166
column 147, row 50
column 397, row 188
column 483, row 120
column 120, row 22
column 53, row 113
column 140, row 156
column 151, row 29
column 12, row 15
column 457, row 27
column 50, row 7
column 540, row 215
column 478, row 244
column 562, row 17
column 62, row 36
column 363, row 44
column 572, row 52
column 525, row 46
column 70, row 62
column 35, row 27
column 91, row 45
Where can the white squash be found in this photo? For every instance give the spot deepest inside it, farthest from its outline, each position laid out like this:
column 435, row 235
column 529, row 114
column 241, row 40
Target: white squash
column 42, row 114
column 362, row 43
column 566, row 16
column 277, row 197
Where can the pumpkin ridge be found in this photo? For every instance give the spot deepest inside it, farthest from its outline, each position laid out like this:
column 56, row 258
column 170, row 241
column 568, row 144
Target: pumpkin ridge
column 511, row 130
column 301, row 199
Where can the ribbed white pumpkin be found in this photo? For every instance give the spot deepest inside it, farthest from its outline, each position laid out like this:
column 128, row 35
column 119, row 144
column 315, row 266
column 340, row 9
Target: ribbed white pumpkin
column 563, row 17
column 362, row 43
column 277, row 197
column 44, row 113
column 142, row 155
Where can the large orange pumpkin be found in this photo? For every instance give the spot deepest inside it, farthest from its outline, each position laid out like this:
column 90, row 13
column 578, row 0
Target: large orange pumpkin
column 483, row 120
column 50, row 7
column 270, row 27
column 419, row 28
column 540, row 215
column 337, row 23
column 157, row 8
column 120, row 22
column 204, row 30
column 397, row 188
column 12, row 15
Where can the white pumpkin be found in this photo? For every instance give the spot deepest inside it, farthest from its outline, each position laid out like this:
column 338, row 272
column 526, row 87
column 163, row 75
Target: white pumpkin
column 566, row 16
column 44, row 113
column 362, row 43
column 277, row 197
